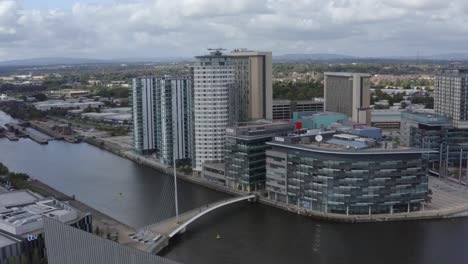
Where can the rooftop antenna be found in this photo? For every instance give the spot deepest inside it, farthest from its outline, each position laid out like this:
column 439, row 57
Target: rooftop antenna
column 217, row 51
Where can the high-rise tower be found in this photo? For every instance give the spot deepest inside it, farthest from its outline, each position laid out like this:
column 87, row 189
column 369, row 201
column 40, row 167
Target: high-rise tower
column 213, row 93
column 162, row 117
column 348, row 93
column 451, row 96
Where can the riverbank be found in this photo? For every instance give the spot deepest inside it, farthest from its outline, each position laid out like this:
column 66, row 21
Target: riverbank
column 444, row 204
column 154, row 164
column 124, row 153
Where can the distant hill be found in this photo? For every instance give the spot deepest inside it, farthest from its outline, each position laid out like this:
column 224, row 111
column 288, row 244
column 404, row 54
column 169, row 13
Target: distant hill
column 327, row 57
column 312, row 56
column 448, row 56
column 76, row 61
column 49, row 61
column 321, row 57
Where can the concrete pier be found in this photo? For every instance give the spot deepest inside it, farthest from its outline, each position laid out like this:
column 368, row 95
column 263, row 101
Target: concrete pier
column 22, row 131
column 11, row 136
column 58, row 132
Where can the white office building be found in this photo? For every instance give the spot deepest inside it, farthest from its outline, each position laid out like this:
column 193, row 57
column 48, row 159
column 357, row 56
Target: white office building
column 213, row 92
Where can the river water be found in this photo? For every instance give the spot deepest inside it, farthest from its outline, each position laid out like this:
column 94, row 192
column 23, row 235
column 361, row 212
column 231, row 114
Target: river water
column 250, row 233
column 5, row 119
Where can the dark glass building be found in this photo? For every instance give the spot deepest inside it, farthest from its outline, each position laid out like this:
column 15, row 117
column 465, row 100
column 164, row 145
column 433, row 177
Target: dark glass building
column 245, row 153
column 346, row 176
column 426, row 130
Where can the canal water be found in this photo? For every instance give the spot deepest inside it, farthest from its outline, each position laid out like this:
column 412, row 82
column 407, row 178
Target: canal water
column 5, row 119
column 250, row 233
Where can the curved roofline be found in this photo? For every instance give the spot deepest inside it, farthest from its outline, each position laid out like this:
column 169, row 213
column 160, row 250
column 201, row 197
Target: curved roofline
column 354, row 152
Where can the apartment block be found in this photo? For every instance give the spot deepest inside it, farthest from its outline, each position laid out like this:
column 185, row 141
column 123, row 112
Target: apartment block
column 162, row 117
column 284, row 109
column 451, row 96
column 349, row 94
column 253, row 72
column 228, row 89
column 213, row 101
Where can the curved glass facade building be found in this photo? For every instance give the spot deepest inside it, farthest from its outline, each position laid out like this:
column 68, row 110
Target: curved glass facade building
column 341, row 180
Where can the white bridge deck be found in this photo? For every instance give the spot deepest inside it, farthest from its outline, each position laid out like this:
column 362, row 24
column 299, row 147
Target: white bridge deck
column 170, row 227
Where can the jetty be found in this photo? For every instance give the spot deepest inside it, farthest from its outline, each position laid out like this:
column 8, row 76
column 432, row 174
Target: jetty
column 16, row 130
column 58, row 132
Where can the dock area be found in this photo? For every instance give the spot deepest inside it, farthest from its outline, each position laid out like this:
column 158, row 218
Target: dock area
column 16, row 130
column 56, row 131
column 11, row 136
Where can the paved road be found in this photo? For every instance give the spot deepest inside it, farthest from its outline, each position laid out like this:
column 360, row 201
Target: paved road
column 446, row 194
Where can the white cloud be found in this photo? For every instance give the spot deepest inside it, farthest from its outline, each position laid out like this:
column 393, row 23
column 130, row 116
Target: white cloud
column 154, row 28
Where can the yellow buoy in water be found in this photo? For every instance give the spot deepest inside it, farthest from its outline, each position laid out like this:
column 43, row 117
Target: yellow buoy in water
column 218, row 236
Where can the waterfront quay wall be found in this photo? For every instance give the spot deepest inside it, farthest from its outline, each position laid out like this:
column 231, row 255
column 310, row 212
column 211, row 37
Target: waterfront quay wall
column 23, row 132
column 154, row 164
column 127, row 154
column 452, row 212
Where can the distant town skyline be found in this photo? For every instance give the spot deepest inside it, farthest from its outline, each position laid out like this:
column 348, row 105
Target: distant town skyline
column 112, row 29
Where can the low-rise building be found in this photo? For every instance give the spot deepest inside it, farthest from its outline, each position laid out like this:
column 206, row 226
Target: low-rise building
column 67, row 245
column 113, row 118
column 345, row 174
column 21, row 218
column 11, row 247
column 367, row 132
column 76, row 94
column 386, row 118
column 436, row 132
column 284, row 109
column 314, row 120
column 118, row 110
column 214, row 172
column 245, row 153
column 67, row 104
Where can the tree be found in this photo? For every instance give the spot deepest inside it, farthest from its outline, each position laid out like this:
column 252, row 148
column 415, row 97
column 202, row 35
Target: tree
column 403, row 105
column 380, row 107
column 40, row 97
column 3, row 169
column 24, row 259
column 97, row 231
column 36, row 259
column 12, row 260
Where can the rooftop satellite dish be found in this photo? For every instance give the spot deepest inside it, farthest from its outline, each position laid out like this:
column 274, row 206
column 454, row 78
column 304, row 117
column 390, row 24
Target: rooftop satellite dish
column 318, row 138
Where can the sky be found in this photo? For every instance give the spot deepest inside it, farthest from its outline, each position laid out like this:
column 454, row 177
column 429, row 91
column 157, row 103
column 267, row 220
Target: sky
column 112, row 29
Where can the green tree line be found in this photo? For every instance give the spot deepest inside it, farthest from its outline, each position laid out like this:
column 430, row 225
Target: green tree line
column 297, row 90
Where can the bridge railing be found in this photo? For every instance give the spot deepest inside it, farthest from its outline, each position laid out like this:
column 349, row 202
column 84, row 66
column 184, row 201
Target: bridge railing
column 199, row 210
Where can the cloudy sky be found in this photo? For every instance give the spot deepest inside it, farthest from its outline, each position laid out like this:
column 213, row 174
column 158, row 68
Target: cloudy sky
column 160, row 28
